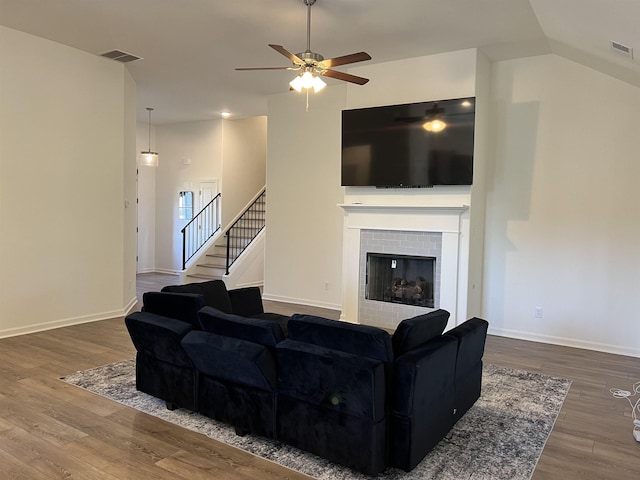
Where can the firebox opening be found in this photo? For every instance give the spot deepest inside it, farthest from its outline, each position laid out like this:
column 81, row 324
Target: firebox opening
column 402, row 279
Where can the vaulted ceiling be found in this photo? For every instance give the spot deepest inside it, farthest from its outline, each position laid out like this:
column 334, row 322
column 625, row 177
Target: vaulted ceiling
column 189, row 48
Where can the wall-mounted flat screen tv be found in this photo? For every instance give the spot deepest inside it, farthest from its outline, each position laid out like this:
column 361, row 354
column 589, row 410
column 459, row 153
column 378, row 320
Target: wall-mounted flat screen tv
column 410, row 145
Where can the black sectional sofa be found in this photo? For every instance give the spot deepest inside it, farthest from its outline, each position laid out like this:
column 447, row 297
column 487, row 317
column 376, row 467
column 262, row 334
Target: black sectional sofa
column 353, row 394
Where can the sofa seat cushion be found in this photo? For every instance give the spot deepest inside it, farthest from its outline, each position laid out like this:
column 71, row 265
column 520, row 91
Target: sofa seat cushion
column 214, row 293
column 358, row 340
column 414, row 332
column 335, row 380
column 256, row 330
column 230, row 359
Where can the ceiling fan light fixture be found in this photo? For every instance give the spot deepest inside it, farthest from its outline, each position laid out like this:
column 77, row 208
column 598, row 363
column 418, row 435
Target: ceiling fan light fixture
column 434, row 125
column 318, row 84
column 307, row 80
column 296, row 83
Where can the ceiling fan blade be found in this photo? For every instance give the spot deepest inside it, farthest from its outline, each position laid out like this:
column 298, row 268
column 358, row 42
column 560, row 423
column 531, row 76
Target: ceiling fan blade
column 268, row 68
column 345, row 59
column 345, row 77
column 283, row 51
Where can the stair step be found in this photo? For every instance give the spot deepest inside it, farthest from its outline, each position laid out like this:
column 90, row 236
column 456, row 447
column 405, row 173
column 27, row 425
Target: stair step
column 204, row 277
column 219, row 266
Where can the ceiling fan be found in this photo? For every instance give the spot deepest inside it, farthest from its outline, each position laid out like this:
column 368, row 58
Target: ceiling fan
column 312, row 65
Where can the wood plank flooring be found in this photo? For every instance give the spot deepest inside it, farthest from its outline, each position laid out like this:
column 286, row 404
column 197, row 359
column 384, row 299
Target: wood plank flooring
column 51, row 430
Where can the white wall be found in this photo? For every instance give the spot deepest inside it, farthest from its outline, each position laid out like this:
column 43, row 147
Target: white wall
column 562, row 213
column 65, row 148
column 244, row 156
column 304, row 222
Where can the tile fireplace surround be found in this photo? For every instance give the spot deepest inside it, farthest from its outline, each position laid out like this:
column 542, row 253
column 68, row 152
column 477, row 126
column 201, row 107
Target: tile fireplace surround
column 441, row 233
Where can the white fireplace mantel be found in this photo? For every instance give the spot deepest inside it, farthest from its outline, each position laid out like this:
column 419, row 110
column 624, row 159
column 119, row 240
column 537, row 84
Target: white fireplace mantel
column 446, row 219
column 427, row 208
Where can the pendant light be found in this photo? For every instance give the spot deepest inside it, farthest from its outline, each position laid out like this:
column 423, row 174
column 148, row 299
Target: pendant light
column 149, row 157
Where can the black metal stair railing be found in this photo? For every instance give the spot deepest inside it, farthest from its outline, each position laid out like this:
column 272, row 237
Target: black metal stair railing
column 245, row 229
column 200, row 229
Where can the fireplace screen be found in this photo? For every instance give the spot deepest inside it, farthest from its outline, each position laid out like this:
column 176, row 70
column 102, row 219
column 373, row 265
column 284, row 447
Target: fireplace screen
column 400, row 279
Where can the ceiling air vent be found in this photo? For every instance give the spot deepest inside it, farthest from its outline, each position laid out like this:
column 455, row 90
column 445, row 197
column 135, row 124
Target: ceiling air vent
column 622, row 49
column 120, row 56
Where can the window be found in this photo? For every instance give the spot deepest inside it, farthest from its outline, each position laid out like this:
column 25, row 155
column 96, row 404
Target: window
column 185, row 206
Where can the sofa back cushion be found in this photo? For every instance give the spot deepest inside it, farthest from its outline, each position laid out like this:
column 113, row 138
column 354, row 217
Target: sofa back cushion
column 181, row 306
column 414, row 332
column 361, row 340
column 263, row 332
column 214, row 293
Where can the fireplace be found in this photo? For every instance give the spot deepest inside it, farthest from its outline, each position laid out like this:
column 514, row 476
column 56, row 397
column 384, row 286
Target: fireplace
column 404, row 279
column 438, row 231
column 416, row 254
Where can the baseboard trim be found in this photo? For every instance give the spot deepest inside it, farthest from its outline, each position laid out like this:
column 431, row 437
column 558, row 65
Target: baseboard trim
column 249, row 284
column 298, row 301
column 68, row 322
column 146, row 270
column 565, row 342
column 167, row 271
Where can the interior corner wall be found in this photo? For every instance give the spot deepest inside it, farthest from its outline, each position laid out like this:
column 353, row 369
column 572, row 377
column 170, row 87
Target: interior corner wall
column 63, row 144
column 562, row 223
column 188, row 153
column 476, row 215
column 244, row 154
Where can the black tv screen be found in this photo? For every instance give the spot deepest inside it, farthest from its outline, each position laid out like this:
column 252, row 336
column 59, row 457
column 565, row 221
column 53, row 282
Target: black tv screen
column 400, row 145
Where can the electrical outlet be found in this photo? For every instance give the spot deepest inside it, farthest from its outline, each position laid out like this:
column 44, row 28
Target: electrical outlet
column 326, row 285
column 538, row 312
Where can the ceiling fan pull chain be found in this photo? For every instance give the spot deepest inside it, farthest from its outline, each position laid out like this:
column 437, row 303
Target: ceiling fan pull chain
column 307, row 100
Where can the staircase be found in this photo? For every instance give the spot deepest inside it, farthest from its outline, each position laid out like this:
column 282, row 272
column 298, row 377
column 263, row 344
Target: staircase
column 228, row 247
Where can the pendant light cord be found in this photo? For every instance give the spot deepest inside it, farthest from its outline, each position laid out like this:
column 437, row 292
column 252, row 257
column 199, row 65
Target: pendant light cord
column 150, row 110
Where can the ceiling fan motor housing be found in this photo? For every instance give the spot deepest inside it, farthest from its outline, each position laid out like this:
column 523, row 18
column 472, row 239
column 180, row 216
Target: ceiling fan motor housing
column 310, row 58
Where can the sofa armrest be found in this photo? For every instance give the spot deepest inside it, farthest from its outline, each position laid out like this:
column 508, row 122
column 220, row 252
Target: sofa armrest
column 159, row 337
column 422, row 375
column 422, row 409
column 246, row 302
column 471, row 336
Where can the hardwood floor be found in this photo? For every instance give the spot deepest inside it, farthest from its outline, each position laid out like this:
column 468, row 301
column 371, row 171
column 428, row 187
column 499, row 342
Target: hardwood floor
column 51, row 430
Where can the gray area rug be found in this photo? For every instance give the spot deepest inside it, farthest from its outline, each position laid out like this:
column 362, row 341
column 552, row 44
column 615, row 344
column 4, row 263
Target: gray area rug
column 501, row 437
